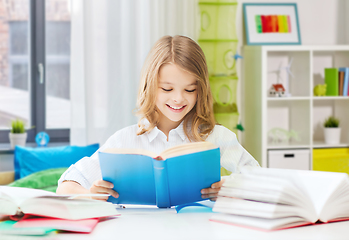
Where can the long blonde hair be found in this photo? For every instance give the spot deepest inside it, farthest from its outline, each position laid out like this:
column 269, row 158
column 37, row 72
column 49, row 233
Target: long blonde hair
column 187, row 54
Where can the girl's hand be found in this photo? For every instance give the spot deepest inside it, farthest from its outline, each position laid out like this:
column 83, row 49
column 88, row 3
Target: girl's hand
column 212, row 192
column 103, row 187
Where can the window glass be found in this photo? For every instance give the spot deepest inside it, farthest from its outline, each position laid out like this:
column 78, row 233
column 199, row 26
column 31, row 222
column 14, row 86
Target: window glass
column 14, row 62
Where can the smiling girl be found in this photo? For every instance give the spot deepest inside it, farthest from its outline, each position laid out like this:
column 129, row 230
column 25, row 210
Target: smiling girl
column 175, row 107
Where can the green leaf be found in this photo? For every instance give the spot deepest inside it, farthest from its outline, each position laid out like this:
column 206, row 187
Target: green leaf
column 331, row 122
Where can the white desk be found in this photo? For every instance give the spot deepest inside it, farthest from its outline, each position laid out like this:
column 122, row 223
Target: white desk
column 165, row 224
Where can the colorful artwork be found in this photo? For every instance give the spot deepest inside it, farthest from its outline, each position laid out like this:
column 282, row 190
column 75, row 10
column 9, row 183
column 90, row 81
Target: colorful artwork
column 273, row 23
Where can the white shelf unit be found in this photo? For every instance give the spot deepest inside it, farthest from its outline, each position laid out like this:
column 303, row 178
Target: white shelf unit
column 301, row 111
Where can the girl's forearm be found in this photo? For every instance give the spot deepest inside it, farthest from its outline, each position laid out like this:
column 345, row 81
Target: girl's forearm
column 70, row 187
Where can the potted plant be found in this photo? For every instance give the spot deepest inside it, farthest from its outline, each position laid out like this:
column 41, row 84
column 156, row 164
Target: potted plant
column 18, row 135
column 332, row 130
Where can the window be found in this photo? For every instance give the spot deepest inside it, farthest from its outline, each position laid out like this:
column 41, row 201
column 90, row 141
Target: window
column 35, row 67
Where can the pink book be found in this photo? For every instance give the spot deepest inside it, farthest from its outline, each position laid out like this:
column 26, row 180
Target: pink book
column 82, row 226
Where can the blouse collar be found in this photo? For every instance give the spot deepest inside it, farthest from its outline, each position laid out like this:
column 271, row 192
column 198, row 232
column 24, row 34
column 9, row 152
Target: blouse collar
column 155, row 132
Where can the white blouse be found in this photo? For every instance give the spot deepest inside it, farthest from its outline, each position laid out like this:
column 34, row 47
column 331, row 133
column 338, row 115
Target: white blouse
column 233, row 155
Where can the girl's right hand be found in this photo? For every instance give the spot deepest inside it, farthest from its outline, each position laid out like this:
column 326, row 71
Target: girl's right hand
column 103, row 187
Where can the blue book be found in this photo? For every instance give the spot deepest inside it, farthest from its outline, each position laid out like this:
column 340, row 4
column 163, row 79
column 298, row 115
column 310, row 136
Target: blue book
column 346, row 80
column 175, row 177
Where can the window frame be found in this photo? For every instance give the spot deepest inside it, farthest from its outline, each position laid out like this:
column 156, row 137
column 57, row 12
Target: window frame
column 37, row 55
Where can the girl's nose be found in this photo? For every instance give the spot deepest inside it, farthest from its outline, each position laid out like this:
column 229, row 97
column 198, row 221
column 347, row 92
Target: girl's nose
column 178, row 97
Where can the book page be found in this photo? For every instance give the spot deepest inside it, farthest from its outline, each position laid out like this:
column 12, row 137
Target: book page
column 242, row 207
column 18, row 195
column 261, row 188
column 68, row 208
column 268, row 189
column 318, row 186
column 260, row 223
column 187, row 148
column 321, row 186
column 131, row 151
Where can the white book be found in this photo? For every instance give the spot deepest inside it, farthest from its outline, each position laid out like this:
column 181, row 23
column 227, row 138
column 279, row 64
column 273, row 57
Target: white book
column 270, row 199
column 19, row 201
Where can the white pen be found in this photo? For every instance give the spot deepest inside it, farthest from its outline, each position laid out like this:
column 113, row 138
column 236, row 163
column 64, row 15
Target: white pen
column 120, row 206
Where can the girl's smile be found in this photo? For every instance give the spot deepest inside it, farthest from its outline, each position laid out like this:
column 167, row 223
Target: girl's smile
column 176, row 109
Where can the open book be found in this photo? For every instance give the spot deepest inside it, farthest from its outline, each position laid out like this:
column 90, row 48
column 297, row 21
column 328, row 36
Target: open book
column 282, row 198
column 175, row 177
column 19, row 201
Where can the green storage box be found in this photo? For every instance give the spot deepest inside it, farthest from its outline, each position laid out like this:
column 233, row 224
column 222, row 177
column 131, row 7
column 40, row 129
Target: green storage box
column 220, row 56
column 217, row 20
column 224, row 89
column 228, row 120
column 331, row 160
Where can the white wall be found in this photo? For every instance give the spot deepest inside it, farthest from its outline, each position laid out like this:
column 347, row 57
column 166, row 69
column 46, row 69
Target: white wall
column 322, row 22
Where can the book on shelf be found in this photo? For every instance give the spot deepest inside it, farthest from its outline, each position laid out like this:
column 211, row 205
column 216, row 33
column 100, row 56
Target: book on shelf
column 345, row 80
column 331, row 80
column 174, row 177
column 271, row 199
column 18, row 201
column 340, row 82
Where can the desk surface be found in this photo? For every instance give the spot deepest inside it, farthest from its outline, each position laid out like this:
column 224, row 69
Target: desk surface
column 152, row 223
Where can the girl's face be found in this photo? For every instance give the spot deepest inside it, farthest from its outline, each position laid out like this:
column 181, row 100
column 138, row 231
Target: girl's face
column 176, row 95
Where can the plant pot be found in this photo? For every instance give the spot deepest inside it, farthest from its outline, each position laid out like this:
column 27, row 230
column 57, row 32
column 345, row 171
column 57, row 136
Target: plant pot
column 17, row 139
column 332, row 135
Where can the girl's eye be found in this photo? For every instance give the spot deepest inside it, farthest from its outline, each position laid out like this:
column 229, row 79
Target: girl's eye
column 166, row 90
column 191, row 90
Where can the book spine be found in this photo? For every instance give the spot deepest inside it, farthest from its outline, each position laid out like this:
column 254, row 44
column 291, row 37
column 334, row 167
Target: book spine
column 340, row 80
column 346, row 82
column 161, row 184
column 331, row 79
column 345, row 71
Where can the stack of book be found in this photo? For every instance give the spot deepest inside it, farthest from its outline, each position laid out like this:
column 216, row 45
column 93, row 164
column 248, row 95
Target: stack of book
column 337, row 81
column 25, row 211
column 271, row 199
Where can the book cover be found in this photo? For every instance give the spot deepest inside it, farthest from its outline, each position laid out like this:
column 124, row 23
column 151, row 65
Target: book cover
column 346, row 80
column 8, row 228
column 82, row 226
column 141, row 179
column 331, row 80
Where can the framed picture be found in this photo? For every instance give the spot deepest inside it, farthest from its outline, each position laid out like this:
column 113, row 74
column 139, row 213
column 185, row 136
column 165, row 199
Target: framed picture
column 271, row 23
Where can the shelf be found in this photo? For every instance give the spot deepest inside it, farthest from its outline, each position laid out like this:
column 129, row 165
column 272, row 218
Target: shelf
column 331, row 98
column 287, row 146
column 267, row 118
column 287, row 98
column 322, row 144
column 307, row 98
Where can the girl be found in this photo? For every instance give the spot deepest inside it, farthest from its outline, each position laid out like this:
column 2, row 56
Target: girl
column 175, row 107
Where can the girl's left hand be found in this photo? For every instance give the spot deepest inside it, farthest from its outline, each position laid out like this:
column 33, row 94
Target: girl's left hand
column 212, row 192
